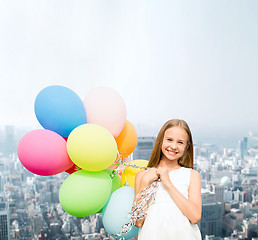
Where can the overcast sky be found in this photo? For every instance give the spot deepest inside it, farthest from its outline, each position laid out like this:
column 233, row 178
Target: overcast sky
column 194, row 60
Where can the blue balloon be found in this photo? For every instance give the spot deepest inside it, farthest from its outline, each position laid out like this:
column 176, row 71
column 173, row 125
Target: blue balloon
column 115, row 212
column 59, row 109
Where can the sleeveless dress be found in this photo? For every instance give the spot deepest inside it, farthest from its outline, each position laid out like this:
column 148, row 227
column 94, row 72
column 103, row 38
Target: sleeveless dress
column 164, row 220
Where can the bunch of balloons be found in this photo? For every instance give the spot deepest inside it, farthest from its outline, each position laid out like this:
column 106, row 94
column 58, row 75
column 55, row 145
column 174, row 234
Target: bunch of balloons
column 84, row 138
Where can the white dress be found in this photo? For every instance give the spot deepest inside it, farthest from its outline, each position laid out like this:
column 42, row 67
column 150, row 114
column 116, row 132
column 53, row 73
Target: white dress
column 164, row 220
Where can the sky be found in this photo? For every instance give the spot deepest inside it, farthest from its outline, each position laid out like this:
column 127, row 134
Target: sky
column 193, row 60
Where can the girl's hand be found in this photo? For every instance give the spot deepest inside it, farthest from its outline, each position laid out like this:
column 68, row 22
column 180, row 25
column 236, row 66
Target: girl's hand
column 163, row 173
column 150, row 176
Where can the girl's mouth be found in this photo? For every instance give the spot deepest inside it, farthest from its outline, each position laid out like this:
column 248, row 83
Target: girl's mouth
column 172, row 152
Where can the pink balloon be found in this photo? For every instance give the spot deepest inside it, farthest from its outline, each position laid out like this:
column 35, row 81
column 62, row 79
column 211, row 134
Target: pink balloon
column 44, row 152
column 105, row 107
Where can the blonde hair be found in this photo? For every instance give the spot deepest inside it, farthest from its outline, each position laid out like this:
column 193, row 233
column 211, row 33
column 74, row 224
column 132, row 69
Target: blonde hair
column 187, row 159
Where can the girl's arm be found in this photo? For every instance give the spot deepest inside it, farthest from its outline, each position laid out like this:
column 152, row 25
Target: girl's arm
column 143, row 180
column 191, row 207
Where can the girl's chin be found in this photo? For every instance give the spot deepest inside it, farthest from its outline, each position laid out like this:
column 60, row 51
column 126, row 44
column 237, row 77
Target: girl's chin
column 171, row 158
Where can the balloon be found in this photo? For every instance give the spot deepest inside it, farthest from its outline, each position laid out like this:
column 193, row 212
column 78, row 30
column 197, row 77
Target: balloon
column 116, row 183
column 59, row 109
column 92, row 147
column 73, row 169
column 84, row 193
column 128, row 175
column 113, row 166
column 43, row 152
column 105, row 107
column 115, row 212
column 127, row 140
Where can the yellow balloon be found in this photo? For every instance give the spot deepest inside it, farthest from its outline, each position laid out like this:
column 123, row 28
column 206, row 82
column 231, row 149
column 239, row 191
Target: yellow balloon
column 128, row 175
column 92, row 147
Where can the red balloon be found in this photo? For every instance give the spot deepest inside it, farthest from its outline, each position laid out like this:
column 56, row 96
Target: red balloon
column 73, row 169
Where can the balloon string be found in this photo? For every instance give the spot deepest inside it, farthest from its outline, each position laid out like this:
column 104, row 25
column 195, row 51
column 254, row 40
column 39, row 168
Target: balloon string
column 140, row 206
column 142, row 200
column 132, row 165
column 120, row 161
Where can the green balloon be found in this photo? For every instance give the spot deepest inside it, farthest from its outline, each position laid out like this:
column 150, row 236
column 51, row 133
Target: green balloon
column 116, row 182
column 84, row 193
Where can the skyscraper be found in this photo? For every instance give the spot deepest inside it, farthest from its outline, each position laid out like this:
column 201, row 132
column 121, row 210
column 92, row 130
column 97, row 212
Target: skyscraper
column 242, row 147
column 10, row 144
column 144, row 148
column 4, row 221
column 211, row 221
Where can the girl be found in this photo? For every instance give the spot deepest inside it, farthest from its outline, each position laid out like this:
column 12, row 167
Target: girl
column 177, row 206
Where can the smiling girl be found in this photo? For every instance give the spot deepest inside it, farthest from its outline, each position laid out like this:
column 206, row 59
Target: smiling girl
column 177, row 206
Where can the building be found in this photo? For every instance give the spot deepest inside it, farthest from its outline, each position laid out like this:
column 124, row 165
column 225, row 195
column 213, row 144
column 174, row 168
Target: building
column 99, row 223
column 10, row 144
column 219, row 193
column 4, row 221
column 211, row 221
column 242, row 147
column 232, row 221
column 144, row 148
column 238, row 196
column 37, row 223
column 207, row 197
column 228, row 195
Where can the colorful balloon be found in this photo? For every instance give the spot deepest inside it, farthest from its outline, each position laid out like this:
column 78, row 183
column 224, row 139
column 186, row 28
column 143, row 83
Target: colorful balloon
column 115, row 212
column 73, row 169
column 84, row 193
column 105, row 107
column 116, row 182
column 92, row 147
column 43, row 152
column 59, row 109
column 129, row 173
column 127, row 140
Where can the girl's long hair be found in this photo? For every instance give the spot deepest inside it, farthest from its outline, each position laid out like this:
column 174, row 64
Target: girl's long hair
column 187, row 159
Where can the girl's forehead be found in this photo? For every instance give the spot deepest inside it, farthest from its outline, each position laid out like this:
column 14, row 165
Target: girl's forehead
column 176, row 132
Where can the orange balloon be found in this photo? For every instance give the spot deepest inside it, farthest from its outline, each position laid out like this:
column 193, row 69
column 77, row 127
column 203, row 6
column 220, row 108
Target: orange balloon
column 127, row 140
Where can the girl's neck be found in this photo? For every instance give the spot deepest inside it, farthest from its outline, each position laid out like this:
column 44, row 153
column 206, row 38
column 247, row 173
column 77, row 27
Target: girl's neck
column 171, row 165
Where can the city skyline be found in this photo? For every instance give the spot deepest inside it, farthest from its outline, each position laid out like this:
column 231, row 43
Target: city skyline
column 148, row 131
column 194, row 61
column 29, row 203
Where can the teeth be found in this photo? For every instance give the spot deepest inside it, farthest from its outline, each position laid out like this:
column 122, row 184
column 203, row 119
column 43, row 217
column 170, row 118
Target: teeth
column 171, row 152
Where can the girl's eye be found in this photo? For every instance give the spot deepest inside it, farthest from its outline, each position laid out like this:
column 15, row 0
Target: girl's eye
column 181, row 142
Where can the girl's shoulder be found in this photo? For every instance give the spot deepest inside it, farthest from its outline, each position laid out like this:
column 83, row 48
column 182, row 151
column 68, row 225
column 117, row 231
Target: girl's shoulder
column 192, row 172
column 140, row 174
column 195, row 175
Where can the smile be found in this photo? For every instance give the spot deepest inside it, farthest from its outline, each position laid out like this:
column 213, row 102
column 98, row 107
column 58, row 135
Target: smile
column 172, row 152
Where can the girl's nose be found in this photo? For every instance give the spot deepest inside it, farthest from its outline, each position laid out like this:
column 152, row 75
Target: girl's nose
column 173, row 145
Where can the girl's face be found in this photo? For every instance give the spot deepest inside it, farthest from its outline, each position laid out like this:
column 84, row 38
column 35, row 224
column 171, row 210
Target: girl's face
column 174, row 143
